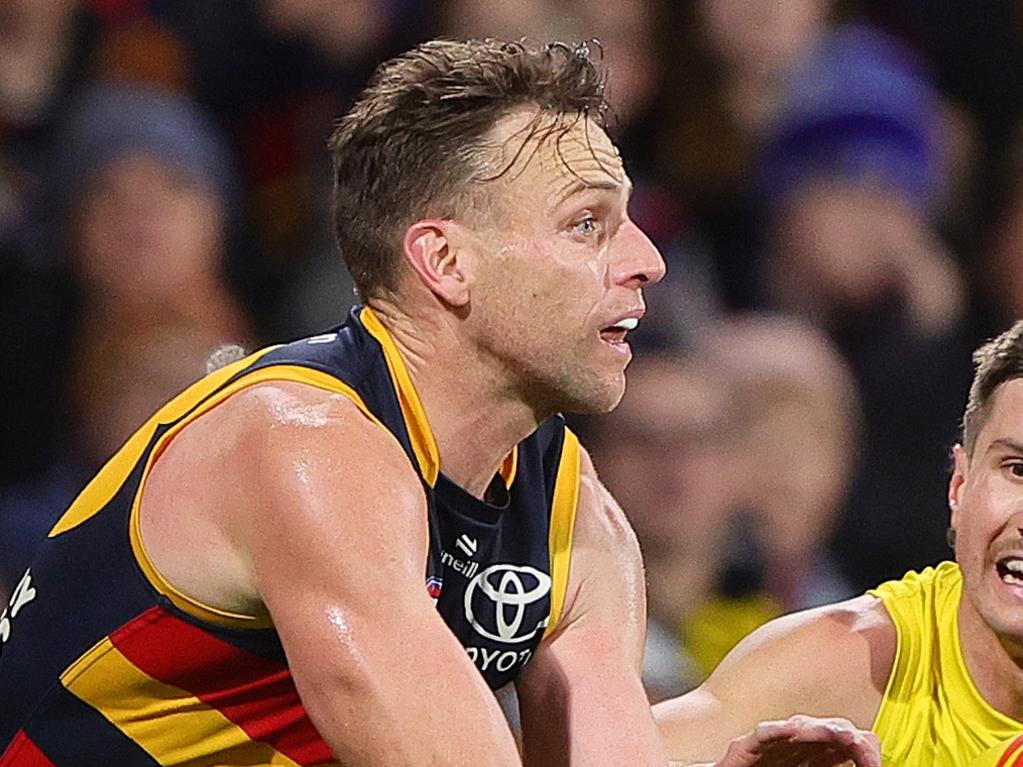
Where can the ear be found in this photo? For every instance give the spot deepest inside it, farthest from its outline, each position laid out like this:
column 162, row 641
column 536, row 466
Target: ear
column 434, row 249
column 960, row 467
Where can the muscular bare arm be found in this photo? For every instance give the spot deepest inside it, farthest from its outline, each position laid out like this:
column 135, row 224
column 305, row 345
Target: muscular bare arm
column 832, row 661
column 581, row 698
column 318, row 517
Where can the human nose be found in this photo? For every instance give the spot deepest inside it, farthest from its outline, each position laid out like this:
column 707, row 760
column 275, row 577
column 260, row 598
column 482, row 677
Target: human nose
column 637, row 262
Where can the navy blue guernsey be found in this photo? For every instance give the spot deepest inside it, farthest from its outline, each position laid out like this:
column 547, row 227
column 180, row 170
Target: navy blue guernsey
column 102, row 661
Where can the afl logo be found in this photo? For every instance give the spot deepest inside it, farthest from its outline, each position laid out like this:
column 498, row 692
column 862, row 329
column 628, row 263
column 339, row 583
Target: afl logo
column 497, row 602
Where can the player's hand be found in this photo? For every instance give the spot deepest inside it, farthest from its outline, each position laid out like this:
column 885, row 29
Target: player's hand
column 804, row 741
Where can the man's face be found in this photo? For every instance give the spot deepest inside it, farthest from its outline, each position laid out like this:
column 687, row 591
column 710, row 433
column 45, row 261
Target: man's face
column 848, row 241
column 762, row 39
column 986, row 495
column 561, row 268
column 664, row 454
column 146, row 231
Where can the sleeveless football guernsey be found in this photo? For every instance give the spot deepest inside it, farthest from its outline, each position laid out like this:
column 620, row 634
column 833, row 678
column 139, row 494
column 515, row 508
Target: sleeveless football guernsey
column 103, row 662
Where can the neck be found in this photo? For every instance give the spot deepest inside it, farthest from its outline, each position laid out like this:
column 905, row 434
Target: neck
column 474, row 412
column 995, row 664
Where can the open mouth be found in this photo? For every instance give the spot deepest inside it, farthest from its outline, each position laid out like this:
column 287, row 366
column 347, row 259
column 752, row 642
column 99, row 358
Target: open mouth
column 615, row 334
column 1010, row 570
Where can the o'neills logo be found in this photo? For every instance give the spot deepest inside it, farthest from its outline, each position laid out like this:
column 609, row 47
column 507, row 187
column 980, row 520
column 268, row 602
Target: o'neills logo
column 468, row 569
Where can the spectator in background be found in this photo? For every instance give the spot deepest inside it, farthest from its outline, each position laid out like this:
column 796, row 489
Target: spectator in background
column 794, row 438
column 36, row 46
column 49, row 51
column 275, row 74
column 664, row 454
column 43, row 46
column 148, row 187
column 1000, row 276
column 796, row 428
column 729, row 63
column 757, row 47
column 146, row 190
column 857, row 140
column 851, row 170
column 732, row 463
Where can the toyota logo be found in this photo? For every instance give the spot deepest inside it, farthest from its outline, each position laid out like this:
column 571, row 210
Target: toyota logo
column 505, row 593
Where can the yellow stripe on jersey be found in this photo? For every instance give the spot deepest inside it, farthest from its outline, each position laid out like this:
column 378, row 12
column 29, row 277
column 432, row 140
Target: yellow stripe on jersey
column 171, row 725
column 509, row 467
column 276, row 373
column 420, row 434
column 196, row 400
column 112, row 476
column 424, row 445
column 563, row 511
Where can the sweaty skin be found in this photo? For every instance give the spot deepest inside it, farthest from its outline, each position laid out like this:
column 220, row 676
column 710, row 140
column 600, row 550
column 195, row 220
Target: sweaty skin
column 270, row 505
column 837, row 659
column 986, row 499
column 829, row 661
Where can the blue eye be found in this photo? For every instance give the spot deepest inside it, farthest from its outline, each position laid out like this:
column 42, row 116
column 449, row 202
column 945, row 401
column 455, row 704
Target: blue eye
column 586, row 226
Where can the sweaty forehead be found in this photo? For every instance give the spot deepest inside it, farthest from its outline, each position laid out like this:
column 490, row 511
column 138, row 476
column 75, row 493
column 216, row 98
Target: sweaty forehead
column 557, row 152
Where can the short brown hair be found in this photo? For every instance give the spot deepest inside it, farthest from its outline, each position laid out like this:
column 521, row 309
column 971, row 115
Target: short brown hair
column 996, row 362
column 411, row 145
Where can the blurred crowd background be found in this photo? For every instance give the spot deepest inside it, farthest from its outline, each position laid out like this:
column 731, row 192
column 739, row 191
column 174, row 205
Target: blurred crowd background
column 834, row 185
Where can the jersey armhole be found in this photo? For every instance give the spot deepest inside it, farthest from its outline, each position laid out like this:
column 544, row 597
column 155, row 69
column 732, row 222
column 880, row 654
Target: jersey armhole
column 562, row 525
column 896, row 672
column 184, row 602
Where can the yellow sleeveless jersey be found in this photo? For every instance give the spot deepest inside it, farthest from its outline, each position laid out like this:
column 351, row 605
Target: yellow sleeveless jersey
column 931, row 714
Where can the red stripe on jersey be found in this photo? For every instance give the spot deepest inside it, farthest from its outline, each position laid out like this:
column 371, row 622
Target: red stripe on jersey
column 22, row 752
column 1009, row 752
column 255, row 693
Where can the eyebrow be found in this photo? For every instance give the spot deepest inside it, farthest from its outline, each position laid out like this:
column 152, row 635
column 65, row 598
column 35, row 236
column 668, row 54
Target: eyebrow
column 578, row 185
column 1011, row 444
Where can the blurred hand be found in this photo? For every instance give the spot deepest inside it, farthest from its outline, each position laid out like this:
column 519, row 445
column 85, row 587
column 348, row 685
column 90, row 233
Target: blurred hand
column 803, row 741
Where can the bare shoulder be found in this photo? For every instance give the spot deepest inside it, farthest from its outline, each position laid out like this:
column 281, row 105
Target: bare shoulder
column 603, row 543
column 606, row 585
column 832, row 660
column 286, row 423
column 284, row 409
column 832, row 632
column 600, row 519
column 273, row 458
column 277, row 434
